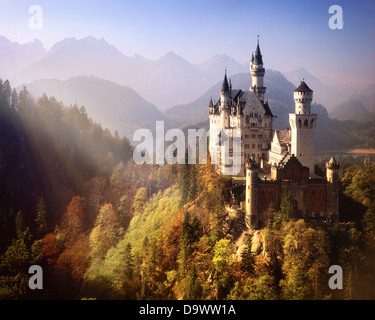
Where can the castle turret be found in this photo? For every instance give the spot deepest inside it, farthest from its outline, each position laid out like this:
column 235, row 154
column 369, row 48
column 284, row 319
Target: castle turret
column 251, row 194
column 211, row 107
column 225, row 104
column 257, row 73
column 332, row 168
column 302, row 124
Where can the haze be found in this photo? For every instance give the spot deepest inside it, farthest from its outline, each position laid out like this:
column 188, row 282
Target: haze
column 293, row 34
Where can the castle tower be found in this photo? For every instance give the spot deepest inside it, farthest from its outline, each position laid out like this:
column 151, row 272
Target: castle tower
column 225, row 100
column 257, row 73
column 302, row 124
column 332, row 168
column 251, row 217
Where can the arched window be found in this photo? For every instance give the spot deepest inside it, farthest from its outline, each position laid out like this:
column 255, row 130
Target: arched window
column 311, row 123
column 306, row 124
column 299, row 123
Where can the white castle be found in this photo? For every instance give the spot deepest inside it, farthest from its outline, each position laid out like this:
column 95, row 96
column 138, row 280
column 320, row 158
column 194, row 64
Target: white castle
column 271, row 161
column 248, row 115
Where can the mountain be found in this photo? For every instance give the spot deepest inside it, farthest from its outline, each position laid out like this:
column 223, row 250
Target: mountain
column 215, row 66
column 367, row 97
column 15, row 56
column 70, row 58
column 329, row 96
column 167, row 81
column 279, row 94
column 352, row 109
column 115, row 107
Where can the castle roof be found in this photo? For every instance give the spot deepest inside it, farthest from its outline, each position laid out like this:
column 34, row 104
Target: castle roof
column 283, row 136
column 258, row 56
column 303, row 87
column 241, row 97
column 225, row 85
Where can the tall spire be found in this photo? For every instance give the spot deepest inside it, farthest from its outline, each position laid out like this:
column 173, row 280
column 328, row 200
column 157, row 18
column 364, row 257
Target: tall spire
column 225, row 86
column 258, row 56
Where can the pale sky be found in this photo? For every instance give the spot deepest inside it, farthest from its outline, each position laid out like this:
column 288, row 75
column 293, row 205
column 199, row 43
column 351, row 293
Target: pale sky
column 292, row 33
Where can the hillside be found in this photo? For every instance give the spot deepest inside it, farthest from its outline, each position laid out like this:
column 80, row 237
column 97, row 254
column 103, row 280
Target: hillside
column 352, row 109
column 329, row 96
column 116, row 107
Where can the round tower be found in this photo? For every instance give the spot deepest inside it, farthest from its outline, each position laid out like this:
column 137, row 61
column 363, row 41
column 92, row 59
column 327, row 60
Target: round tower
column 303, row 96
column 333, row 179
column 257, row 73
column 303, row 124
column 251, row 217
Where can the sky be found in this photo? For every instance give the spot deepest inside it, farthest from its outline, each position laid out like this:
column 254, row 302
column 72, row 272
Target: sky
column 292, row 33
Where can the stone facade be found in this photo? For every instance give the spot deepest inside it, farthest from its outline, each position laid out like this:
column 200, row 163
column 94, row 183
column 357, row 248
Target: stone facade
column 285, row 158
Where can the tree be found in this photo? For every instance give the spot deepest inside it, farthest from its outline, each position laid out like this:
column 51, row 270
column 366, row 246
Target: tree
column 140, row 200
column 73, row 220
column 193, row 185
column 50, row 248
column 14, row 100
column 19, row 223
column 193, row 288
column 248, row 258
column 15, row 263
column 288, row 209
column 128, row 263
column 106, row 232
column 41, row 216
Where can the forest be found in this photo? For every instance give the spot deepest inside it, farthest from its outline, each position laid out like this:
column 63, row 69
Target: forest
column 102, row 227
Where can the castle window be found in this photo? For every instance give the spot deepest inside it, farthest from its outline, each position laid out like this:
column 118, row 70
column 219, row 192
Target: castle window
column 300, row 123
column 246, row 146
column 311, row 123
column 253, row 146
column 313, row 191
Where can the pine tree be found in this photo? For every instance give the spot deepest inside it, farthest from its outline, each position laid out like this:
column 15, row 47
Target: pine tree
column 128, row 263
column 41, row 216
column 19, row 223
column 193, row 288
column 248, row 258
column 192, row 184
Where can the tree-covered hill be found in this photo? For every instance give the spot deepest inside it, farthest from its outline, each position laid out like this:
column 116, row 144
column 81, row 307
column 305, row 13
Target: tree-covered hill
column 73, row 201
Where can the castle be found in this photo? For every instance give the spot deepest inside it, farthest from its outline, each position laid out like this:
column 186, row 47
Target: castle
column 272, row 160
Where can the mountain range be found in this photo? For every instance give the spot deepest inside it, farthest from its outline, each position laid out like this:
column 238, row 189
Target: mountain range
column 118, row 108
column 165, row 82
column 125, row 93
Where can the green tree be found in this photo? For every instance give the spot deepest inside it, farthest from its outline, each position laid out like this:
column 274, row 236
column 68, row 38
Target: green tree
column 19, row 223
column 288, row 209
column 193, row 288
column 248, row 258
column 41, row 216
